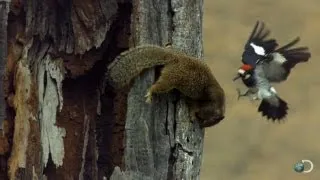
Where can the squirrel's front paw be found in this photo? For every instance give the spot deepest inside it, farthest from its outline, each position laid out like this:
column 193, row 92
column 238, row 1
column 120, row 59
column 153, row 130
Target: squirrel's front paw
column 149, row 97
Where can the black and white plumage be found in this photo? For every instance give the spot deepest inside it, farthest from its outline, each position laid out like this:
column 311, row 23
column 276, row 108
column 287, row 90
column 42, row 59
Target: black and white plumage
column 277, row 62
column 271, row 106
column 263, row 64
column 258, row 45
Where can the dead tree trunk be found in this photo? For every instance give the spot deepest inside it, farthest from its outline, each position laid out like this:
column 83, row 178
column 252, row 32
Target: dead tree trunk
column 62, row 122
column 4, row 146
column 4, row 10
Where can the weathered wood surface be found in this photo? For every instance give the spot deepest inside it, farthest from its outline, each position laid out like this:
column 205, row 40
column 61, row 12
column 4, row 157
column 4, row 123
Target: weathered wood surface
column 51, row 86
column 161, row 142
column 60, row 121
column 4, row 10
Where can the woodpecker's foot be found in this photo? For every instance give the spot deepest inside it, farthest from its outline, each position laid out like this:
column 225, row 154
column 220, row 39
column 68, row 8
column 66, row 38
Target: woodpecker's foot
column 149, row 97
column 253, row 99
column 242, row 94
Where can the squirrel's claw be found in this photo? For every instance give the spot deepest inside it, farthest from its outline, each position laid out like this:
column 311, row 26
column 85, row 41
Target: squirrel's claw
column 149, row 97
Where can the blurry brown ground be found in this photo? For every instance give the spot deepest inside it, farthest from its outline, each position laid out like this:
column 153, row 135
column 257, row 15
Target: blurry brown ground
column 245, row 146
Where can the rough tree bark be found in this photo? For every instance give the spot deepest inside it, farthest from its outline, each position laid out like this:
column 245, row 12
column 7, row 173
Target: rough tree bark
column 62, row 122
column 4, row 146
column 4, row 10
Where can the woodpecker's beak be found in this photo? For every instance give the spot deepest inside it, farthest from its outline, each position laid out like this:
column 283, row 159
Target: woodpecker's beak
column 236, row 78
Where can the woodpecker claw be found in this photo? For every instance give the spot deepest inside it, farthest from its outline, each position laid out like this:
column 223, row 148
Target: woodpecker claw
column 242, row 94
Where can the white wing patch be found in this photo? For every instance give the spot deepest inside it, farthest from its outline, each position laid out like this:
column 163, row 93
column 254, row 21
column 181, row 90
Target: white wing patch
column 279, row 58
column 258, row 49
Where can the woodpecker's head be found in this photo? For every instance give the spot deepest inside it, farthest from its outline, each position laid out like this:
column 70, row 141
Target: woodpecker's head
column 244, row 72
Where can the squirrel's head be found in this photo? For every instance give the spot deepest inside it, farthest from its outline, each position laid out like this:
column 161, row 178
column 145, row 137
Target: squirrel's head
column 212, row 111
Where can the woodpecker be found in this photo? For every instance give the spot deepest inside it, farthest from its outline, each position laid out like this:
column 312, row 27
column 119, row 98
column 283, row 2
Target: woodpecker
column 271, row 106
column 263, row 64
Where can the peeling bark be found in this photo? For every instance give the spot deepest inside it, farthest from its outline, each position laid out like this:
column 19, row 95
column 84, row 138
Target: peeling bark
column 25, row 108
column 50, row 102
column 61, row 44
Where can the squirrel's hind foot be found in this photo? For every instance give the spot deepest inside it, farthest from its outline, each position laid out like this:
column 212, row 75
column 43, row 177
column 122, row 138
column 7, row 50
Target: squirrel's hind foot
column 149, row 97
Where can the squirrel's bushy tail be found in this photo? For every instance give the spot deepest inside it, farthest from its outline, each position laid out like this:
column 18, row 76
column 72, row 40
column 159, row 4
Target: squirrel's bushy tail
column 132, row 62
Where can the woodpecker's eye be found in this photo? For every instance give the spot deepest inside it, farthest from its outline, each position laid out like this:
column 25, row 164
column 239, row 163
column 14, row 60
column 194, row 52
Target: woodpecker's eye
column 247, row 76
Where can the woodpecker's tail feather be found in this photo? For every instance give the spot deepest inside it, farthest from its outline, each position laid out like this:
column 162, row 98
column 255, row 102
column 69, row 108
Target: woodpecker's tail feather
column 275, row 113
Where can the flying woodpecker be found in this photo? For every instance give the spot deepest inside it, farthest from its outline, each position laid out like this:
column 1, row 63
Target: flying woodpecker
column 264, row 63
column 259, row 87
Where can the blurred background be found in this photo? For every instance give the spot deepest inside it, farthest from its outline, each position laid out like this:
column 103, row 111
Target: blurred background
column 246, row 146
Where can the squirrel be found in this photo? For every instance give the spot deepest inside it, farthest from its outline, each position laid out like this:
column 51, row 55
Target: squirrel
column 189, row 75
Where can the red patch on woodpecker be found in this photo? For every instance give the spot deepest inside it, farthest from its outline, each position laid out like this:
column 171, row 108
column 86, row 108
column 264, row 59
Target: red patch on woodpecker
column 246, row 67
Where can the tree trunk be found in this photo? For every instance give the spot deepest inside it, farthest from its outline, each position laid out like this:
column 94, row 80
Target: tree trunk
column 62, row 122
column 4, row 146
column 4, row 10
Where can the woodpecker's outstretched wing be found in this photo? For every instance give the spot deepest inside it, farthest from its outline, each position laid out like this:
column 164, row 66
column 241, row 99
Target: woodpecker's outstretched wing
column 278, row 64
column 271, row 106
column 258, row 45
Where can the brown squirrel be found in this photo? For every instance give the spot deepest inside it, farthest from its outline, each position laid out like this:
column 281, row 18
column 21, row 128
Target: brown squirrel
column 192, row 77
